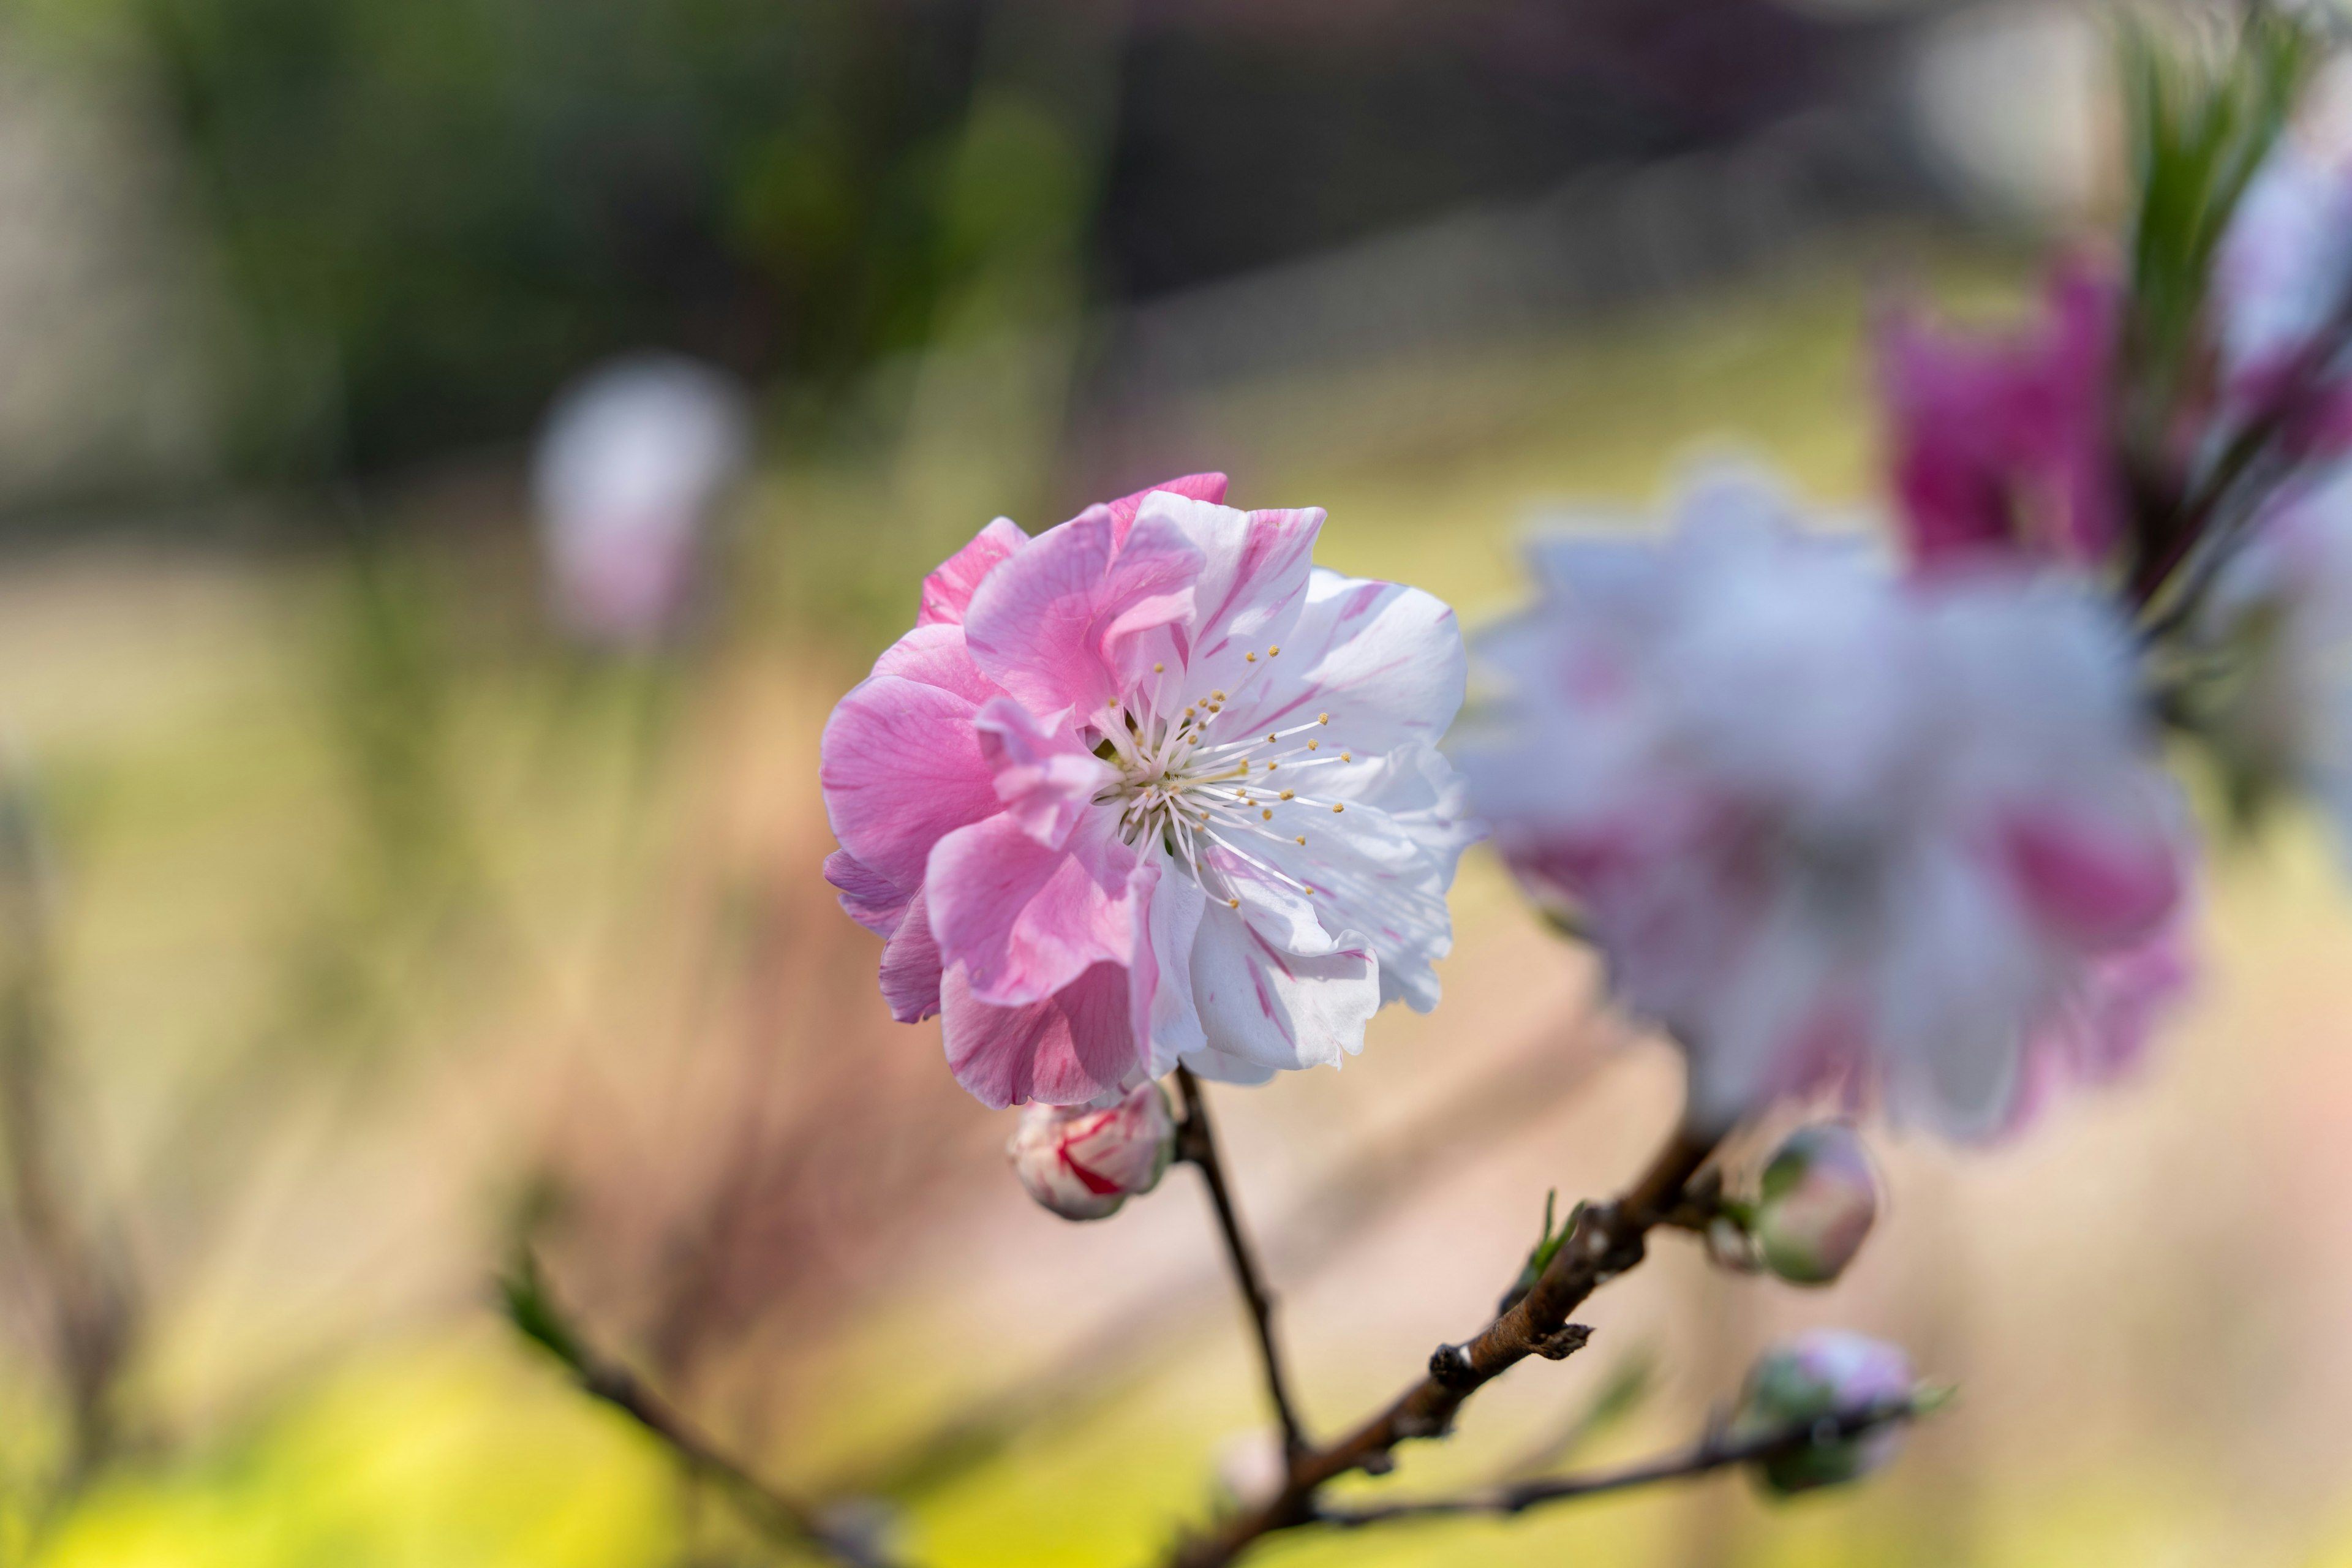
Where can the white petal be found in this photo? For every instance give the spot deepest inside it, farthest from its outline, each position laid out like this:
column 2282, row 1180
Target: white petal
column 1163, row 972
column 1382, row 868
column 1280, row 1009
column 1383, row 660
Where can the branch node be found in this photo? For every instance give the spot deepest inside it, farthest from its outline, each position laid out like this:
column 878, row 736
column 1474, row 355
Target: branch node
column 1564, row 1342
column 1450, row 1367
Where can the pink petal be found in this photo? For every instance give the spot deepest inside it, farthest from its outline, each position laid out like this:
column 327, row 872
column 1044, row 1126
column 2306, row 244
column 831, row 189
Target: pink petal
column 935, row 655
column 1055, row 625
column 2001, row 442
column 1044, row 776
column 947, row 593
column 2088, row 882
column 910, row 966
column 1196, row 487
column 871, row 899
column 1025, row 920
column 900, row 767
column 1066, row 1050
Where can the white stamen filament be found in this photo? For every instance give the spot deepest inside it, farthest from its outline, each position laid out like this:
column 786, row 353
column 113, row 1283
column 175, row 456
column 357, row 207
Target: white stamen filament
column 1192, row 791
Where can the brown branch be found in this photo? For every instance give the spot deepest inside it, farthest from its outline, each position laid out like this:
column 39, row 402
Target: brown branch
column 80, row 1267
column 1196, row 1144
column 1607, row 1241
column 782, row 1519
column 1711, row 1453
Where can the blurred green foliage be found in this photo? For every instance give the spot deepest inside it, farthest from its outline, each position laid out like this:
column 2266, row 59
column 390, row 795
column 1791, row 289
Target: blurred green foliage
column 2200, row 120
column 432, row 211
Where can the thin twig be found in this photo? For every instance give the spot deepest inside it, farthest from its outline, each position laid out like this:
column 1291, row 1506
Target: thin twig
column 1608, row 1240
column 779, row 1517
column 1197, row 1145
column 88, row 1281
column 1158, row 1322
column 1712, row 1452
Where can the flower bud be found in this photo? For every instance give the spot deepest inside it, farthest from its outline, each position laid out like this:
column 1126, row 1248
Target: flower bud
column 1823, row 1375
column 1819, row 1199
column 1083, row 1162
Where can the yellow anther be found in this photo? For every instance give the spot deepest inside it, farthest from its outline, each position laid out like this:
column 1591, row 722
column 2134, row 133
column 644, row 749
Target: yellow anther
column 1285, row 795
column 1217, row 696
column 1336, row 810
column 1346, row 756
column 1314, row 745
column 1302, row 839
column 1249, row 658
column 1233, row 903
column 1271, row 766
column 1159, row 669
column 1266, row 815
column 1272, row 651
column 1269, row 740
column 1322, row 718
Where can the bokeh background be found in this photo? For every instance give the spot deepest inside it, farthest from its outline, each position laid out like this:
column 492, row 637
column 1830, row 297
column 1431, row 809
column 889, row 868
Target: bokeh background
column 369, row 909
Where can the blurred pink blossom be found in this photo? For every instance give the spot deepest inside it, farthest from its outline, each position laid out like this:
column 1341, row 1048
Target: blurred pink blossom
column 1083, row 1164
column 1834, row 829
column 2001, row 444
column 633, row 459
column 1152, row 788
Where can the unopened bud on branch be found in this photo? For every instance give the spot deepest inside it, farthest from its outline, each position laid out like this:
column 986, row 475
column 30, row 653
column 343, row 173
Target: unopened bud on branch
column 1817, row 1380
column 1083, row 1162
column 1819, row 1197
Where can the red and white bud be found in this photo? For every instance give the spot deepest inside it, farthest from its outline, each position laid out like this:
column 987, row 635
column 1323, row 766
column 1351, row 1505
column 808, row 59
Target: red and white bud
column 1082, row 1162
column 1824, row 1376
column 1820, row 1198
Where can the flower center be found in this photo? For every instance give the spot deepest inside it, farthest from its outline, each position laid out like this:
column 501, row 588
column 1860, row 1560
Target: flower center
column 1189, row 779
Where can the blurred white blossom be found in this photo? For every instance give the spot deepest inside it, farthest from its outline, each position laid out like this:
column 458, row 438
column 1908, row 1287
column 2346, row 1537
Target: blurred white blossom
column 1833, row 829
column 631, row 465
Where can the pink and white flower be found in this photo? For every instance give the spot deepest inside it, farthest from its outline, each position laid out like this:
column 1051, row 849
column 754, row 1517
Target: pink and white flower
column 1834, row 829
column 1083, row 1162
column 1152, row 788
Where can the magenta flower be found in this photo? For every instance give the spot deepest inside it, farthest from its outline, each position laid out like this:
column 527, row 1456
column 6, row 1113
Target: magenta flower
column 1837, row 831
column 2000, row 445
column 1150, row 788
column 1083, row 1164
